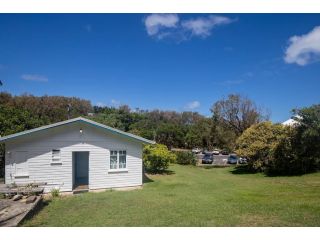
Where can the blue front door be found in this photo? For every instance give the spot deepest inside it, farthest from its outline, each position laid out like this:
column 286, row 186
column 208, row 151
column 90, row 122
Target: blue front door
column 80, row 169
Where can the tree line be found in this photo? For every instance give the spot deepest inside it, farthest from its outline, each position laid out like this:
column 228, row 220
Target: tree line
column 230, row 117
column 236, row 124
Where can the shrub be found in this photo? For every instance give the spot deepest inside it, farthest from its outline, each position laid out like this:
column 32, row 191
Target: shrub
column 55, row 192
column 258, row 142
column 307, row 138
column 299, row 151
column 186, row 158
column 156, row 158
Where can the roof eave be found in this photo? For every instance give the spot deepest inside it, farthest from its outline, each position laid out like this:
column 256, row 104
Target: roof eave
column 80, row 119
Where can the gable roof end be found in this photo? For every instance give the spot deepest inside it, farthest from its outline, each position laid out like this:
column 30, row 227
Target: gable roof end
column 79, row 119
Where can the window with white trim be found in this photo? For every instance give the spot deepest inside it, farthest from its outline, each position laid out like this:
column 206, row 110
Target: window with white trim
column 122, row 159
column 56, row 155
column 113, row 159
column 118, row 159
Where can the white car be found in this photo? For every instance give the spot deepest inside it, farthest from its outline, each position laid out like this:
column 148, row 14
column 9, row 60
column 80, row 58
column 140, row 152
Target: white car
column 243, row 160
column 196, row 150
column 216, row 152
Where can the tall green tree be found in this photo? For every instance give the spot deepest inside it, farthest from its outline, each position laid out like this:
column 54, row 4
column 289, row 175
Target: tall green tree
column 299, row 152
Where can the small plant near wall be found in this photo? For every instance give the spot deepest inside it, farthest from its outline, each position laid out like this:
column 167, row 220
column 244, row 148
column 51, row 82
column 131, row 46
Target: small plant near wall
column 55, row 192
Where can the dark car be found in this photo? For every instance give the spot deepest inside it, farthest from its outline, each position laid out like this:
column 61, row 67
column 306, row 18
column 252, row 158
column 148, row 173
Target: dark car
column 224, row 152
column 233, row 159
column 207, row 159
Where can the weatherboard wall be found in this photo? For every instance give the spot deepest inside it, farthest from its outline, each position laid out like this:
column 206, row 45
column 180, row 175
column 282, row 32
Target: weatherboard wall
column 68, row 139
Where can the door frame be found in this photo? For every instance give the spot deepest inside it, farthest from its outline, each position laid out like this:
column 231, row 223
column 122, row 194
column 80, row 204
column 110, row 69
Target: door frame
column 74, row 168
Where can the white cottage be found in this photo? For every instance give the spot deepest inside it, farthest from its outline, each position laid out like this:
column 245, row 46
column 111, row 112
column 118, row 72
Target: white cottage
column 74, row 154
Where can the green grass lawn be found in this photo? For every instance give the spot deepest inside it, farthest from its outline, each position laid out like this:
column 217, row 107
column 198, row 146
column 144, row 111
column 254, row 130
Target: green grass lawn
column 194, row 196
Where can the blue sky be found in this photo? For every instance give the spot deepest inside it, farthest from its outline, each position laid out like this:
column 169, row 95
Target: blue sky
column 174, row 61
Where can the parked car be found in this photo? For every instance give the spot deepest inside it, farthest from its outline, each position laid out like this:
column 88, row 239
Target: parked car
column 216, row 152
column 196, row 150
column 243, row 160
column 207, row 159
column 233, row 159
column 224, row 152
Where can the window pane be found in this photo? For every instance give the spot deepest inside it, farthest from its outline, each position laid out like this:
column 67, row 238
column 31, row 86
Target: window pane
column 113, row 160
column 122, row 159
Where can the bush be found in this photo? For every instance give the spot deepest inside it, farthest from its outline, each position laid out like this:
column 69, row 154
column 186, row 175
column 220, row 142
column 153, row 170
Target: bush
column 156, row 158
column 299, row 151
column 186, row 158
column 258, row 142
column 55, row 192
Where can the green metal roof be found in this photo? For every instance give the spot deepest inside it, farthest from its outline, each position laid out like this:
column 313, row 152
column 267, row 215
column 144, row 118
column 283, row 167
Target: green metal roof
column 79, row 119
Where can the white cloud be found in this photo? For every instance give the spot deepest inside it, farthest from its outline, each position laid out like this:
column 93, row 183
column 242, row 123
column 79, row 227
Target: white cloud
column 203, row 26
column 34, row 77
column 193, row 105
column 115, row 103
column 304, row 49
column 163, row 26
column 156, row 22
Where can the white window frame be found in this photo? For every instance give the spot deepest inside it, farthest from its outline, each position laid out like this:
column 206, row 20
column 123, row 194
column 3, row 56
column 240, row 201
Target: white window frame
column 56, row 157
column 118, row 169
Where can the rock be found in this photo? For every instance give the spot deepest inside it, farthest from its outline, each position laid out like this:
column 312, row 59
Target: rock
column 17, row 197
column 31, row 199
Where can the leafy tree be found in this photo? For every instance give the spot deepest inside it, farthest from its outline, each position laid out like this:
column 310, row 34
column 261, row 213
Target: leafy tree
column 299, row 152
column 49, row 109
column 144, row 128
column 285, row 158
column 199, row 134
column 308, row 131
column 170, row 135
column 13, row 120
column 156, row 158
column 257, row 143
column 222, row 136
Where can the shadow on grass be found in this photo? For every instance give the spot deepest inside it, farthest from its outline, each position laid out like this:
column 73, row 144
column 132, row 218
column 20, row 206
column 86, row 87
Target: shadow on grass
column 146, row 179
column 243, row 169
column 166, row 172
column 213, row 166
column 276, row 174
